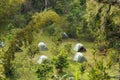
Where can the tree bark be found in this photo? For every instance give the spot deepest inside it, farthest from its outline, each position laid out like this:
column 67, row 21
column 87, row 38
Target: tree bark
column 119, row 67
column 46, row 4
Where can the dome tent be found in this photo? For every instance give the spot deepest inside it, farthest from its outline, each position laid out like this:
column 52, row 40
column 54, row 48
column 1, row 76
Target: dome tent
column 42, row 46
column 64, row 35
column 41, row 59
column 79, row 48
column 79, row 57
column 17, row 48
column 2, row 44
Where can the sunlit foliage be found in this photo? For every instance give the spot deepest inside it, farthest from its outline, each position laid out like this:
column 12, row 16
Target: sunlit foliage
column 7, row 9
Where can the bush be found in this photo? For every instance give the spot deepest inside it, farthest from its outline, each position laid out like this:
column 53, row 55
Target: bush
column 98, row 70
column 61, row 61
column 43, row 71
column 32, row 50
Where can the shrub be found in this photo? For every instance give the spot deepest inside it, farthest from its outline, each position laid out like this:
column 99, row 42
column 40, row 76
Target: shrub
column 43, row 71
column 61, row 61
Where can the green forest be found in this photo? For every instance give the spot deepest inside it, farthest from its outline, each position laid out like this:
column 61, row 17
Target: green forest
column 59, row 39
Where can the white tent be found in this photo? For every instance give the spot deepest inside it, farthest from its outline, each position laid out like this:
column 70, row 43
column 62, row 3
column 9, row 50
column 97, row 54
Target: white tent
column 2, row 44
column 64, row 35
column 42, row 46
column 17, row 48
column 41, row 59
column 79, row 57
column 79, row 48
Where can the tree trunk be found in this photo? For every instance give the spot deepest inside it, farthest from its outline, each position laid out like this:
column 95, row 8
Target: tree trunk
column 119, row 67
column 46, row 4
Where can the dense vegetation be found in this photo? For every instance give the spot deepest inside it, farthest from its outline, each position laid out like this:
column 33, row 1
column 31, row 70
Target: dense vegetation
column 96, row 23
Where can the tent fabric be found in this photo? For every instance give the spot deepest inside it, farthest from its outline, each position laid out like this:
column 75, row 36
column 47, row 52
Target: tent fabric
column 17, row 48
column 64, row 35
column 79, row 57
column 41, row 59
column 79, row 48
column 42, row 46
column 2, row 44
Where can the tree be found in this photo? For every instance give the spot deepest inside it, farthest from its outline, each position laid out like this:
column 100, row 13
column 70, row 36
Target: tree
column 102, row 23
column 7, row 9
column 102, row 17
column 26, row 35
column 98, row 70
column 76, row 24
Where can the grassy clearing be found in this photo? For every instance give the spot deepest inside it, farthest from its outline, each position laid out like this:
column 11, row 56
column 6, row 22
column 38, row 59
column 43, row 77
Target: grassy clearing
column 24, row 66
